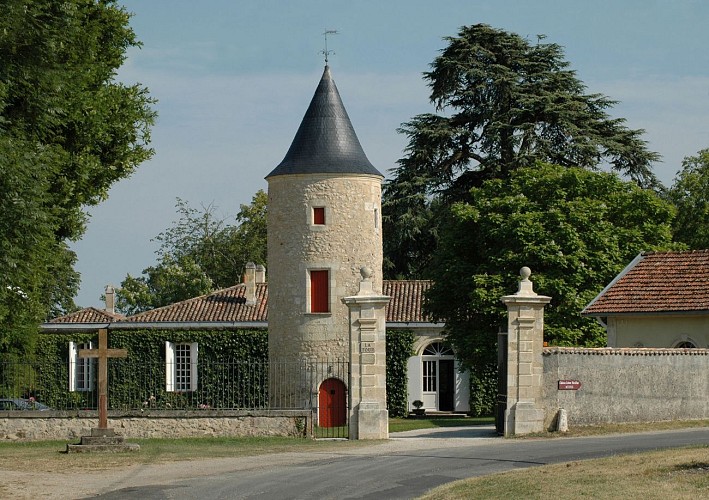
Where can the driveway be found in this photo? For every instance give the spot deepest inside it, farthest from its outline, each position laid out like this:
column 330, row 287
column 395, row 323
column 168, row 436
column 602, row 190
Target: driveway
column 406, row 466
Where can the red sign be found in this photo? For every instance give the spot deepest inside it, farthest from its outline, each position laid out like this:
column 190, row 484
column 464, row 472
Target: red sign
column 569, row 385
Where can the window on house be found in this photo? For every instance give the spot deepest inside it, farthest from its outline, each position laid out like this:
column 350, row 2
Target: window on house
column 319, row 216
column 181, row 367
column 81, row 370
column 686, row 344
column 319, row 291
column 437, row 349
column 429, row 376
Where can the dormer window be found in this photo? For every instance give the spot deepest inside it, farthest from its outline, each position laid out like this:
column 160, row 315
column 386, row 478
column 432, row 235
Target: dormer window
column 319, row 216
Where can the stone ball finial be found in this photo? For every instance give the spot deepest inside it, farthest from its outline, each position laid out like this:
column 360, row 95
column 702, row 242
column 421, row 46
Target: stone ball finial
column 525, row 272
column 366, row 272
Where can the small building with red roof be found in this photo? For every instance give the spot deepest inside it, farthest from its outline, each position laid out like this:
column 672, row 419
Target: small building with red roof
column 661, row 299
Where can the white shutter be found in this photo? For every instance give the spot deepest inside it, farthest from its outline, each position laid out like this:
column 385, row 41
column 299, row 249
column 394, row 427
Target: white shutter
column 194, row 351
column 462, row 389
column 169, row 366
column 90, row 365
column 414, row 383
column 73, row 357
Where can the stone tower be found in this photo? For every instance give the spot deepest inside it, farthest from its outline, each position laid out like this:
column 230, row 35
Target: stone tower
column 324, row 225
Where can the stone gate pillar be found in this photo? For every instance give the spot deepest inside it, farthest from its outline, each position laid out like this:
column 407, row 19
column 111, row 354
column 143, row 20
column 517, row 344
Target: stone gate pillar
column 369, row 417
column 525, row 340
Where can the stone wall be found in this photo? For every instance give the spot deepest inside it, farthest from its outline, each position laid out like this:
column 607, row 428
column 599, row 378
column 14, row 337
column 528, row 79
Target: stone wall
column 57, row 425
column 625, row 385
column 350, row 239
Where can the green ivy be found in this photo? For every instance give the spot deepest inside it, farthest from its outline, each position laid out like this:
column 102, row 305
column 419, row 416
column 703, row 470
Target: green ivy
column 232, row 370
column 483, row 390
column 399, row 346
column 139, row 380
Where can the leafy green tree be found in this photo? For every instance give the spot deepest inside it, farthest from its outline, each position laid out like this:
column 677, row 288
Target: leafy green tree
column 199, row 253
column 172, row 280
column 576, row 229
column 68, row 131
column 505, row 103
column 690, row 194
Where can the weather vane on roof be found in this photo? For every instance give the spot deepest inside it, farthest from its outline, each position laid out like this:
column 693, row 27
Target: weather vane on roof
column 326, row 52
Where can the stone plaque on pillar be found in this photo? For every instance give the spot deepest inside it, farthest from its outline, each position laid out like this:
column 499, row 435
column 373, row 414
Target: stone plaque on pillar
column 369, row 418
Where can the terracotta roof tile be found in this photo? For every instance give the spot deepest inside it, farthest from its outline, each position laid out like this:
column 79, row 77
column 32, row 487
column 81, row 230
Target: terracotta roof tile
column 88, row 315
column 228, row 306
column 625, row 351
column 406, row 304
column 659, row 282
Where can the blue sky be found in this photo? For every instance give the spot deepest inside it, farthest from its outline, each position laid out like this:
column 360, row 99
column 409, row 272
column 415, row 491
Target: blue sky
column 233, row 79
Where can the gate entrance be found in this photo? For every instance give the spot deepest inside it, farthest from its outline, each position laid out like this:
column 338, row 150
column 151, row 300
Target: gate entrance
column 332, row 403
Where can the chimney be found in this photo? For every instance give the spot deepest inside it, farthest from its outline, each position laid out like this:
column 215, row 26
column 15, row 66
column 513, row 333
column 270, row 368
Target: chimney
column 110, row 299
column 260, row 274
column 250, row 282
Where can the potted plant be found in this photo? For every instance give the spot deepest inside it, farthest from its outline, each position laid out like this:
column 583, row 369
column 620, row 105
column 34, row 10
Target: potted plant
column 418, row 410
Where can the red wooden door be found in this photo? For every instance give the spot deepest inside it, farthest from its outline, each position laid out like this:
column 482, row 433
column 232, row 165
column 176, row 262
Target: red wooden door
column 333, row 410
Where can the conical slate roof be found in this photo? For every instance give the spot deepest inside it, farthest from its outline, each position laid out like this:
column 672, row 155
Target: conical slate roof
column 326, row 141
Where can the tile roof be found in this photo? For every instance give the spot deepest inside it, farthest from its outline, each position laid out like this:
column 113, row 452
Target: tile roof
column 406, row 304
column 657, row 282
column 88, row 315
column 228, row 306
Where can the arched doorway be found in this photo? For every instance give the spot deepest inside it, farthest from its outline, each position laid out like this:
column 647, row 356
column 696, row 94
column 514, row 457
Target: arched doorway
column 438, row 377
column 332, row 402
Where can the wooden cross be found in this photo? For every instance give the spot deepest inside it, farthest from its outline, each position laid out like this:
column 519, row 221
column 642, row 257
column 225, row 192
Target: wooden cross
column 103, row 353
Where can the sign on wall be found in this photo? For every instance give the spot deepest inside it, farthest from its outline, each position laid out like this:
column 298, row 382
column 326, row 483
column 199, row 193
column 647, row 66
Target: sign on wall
column 569, row 385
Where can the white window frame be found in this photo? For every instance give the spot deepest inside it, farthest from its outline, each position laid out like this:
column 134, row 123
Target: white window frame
column 77, row 383
column 171, row 367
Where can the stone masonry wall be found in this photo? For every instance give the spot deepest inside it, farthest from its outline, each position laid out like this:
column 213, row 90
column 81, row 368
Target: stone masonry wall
column 59, row 426
column 350, row 239
column 626, row 385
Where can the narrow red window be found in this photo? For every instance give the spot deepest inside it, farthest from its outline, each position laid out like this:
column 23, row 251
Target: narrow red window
column 319, row 291
column 319, row 215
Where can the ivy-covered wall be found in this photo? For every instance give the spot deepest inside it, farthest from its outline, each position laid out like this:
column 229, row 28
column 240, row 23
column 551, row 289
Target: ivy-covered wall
column 483, row 391
column 232, row 370
column 399, row 347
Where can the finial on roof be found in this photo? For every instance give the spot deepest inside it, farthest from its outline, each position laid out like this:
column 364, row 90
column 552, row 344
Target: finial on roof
column 326, row 52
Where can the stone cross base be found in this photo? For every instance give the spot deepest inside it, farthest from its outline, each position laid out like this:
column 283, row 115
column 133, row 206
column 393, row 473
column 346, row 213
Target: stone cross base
column 102, row 441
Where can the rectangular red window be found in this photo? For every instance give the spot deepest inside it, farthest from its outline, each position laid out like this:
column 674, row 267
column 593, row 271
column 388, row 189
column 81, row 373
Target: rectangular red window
column 319, row 291
column 319, row 215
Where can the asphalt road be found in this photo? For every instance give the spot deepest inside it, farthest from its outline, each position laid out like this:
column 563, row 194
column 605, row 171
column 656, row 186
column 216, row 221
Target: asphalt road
column 407, row 466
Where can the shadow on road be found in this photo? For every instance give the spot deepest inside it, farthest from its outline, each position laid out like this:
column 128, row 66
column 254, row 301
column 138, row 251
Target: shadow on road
column 482, row 431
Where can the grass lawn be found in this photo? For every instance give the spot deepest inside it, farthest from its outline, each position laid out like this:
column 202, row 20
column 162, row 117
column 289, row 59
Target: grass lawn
column 668, row 474
column 49, row 456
